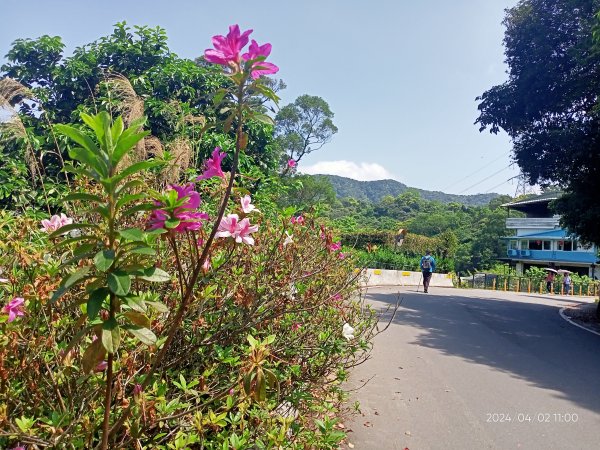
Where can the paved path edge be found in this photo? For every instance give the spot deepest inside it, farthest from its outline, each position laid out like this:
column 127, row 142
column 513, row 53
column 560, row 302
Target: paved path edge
column 561, row 311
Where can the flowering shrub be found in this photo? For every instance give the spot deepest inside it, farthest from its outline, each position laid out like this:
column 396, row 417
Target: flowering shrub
column 159, row 325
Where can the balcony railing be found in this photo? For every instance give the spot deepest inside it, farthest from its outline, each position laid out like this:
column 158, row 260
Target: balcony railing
column 548, row 223
column 551, row 255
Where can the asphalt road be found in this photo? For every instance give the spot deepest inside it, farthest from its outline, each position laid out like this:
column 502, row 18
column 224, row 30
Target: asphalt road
column 473, row 369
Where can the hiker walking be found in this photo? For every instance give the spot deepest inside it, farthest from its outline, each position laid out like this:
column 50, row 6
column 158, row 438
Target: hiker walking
column 427, row 267
column 567, row 284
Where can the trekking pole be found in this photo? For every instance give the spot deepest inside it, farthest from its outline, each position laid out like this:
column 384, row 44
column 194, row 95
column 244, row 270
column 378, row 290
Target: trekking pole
column 419, row 285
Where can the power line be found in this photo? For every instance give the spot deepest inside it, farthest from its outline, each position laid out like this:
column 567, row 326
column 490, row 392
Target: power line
column 498, row 185
column 476, row 171
column 485, row 179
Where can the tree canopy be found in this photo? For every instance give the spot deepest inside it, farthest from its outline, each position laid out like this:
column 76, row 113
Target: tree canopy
column 304, row 126
column 549, row 104
column 131, row 72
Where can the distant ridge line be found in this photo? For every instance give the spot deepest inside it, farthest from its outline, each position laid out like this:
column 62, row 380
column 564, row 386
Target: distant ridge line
column 374, row 191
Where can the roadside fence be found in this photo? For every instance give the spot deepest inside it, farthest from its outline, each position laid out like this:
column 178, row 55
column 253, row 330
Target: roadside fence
column 524, row 284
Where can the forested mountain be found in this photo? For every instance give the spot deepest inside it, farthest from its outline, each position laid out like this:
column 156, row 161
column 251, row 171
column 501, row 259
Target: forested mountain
column 374, row 191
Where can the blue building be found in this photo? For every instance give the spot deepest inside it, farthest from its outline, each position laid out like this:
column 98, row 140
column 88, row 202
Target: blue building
column 538, row 240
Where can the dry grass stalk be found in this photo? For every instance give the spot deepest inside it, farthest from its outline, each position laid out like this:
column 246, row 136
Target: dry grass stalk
column 153, row 147
column 181, row 153
column 12, row 92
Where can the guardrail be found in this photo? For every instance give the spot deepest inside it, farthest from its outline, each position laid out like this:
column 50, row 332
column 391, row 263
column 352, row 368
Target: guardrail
column 524, row 284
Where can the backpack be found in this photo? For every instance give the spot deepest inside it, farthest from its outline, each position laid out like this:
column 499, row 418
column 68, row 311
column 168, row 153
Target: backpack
column 426, row 263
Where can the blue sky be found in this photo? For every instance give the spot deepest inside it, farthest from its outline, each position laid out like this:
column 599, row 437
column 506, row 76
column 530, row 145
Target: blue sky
column 401, row 76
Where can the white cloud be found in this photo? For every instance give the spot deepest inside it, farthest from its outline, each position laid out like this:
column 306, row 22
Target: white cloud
column 359, row 171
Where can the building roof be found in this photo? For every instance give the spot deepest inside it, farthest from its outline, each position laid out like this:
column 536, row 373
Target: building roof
column 543, row 198
column 550, row 234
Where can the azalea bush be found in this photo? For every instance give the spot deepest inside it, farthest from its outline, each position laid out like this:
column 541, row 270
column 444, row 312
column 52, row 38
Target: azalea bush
column 182, row 318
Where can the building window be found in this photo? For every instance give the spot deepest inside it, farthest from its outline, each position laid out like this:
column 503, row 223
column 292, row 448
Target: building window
column 537, row 245
column 565, row 246
column 513, row 245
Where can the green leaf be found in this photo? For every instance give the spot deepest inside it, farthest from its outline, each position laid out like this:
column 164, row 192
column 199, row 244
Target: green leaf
column 143, row 250
column 144, row 335
column 219, row 96
column 92, row 356
column 138, row 208
column 263, row 118
column 253, row 342
column 125, row 143
column 134, row 168
column 59, row 293
column 70, row 227
column 75, row 277
column 128, row 199
column 75, row 239
column 81, row 252
column 172, row 223
column 158, row 306
column 111, row 335
column 135, row 303
column 127, row 186
column 89, row 153
column 104, row 259
column 82, row 196
column 119, row 283
column 132, row 234
column 138, row 319
column 155, row 275
column 156, row 231
column 95, row 302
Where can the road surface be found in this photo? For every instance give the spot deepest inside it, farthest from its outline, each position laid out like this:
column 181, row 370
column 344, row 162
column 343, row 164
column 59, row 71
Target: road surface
column 474, row 369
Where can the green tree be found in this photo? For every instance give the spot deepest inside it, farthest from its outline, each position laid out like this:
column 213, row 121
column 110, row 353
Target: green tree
column 549, row 104
column 134, row 73
column 308, row 191
column 304, row 126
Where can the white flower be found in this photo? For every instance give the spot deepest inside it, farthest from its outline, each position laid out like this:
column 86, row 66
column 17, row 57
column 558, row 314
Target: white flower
column 348, row 331
column 288, row 239
column 248, row 207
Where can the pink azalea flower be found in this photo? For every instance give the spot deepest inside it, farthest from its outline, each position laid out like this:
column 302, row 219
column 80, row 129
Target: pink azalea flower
column 291, row 163
column 227, row 48
column 341, row 255
column 297, row 220
column 212, row 166
column 14, row 308
column 260, row 67
column 206, row 266
column 248, row 207
column 336, row 297
column 19, row 447
column 55, row 223
column 101, row 367
column 228, row 226
column 240, row 230
column 335, row 246
column 189, row 219
column 244, row 231
column 296, row 326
